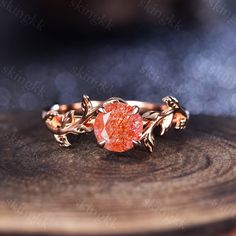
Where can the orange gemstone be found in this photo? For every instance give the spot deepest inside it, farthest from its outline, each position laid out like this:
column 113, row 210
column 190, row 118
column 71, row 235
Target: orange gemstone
column 56, row 121
column 118, row 127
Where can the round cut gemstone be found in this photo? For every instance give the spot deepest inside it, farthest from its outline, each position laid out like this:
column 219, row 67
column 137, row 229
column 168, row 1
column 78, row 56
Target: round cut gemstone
column 118, row 127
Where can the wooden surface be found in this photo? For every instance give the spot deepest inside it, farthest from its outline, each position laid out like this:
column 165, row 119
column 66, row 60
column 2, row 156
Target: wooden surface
column 187, row 186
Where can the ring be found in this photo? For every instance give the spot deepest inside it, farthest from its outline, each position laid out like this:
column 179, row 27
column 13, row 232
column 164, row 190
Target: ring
column 118, row 125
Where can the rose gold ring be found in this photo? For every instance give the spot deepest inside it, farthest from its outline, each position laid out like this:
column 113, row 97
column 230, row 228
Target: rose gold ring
column 118, row 125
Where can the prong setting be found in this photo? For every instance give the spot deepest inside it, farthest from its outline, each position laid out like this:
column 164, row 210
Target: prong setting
column 137, row 143
column 102, row 143
column 102, row 110
column 136, row 110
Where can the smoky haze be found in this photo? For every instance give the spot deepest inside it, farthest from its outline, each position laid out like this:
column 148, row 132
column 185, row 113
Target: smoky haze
column 180, row 49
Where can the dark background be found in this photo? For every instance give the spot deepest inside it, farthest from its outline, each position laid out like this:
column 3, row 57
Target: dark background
column 56, row 51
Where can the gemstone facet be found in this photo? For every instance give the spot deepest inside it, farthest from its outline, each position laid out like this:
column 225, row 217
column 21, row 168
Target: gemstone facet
column 118, row 126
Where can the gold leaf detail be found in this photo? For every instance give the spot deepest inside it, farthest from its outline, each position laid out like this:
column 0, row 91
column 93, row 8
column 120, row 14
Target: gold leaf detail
column 62, row 140
column 148, row 140
column 166, row 123
column 86, row 105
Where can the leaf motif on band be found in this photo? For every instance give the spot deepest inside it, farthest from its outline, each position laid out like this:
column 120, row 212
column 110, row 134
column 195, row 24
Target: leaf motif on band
column 171, row 102
column 69, row 118
column 180, row 120
column 148, row 140
column 152, row 118
column 84, row 129
column 86, row 105
column 151, row 115
column 62, row 140
column 166, row 123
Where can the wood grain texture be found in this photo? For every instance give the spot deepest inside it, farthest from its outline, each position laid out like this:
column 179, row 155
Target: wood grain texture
column 188, row 181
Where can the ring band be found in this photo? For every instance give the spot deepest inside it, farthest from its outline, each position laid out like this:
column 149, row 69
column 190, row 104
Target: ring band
column 118, row 125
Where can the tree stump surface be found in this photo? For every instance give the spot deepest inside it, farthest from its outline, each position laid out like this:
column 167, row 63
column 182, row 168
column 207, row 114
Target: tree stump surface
column 188, row 183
